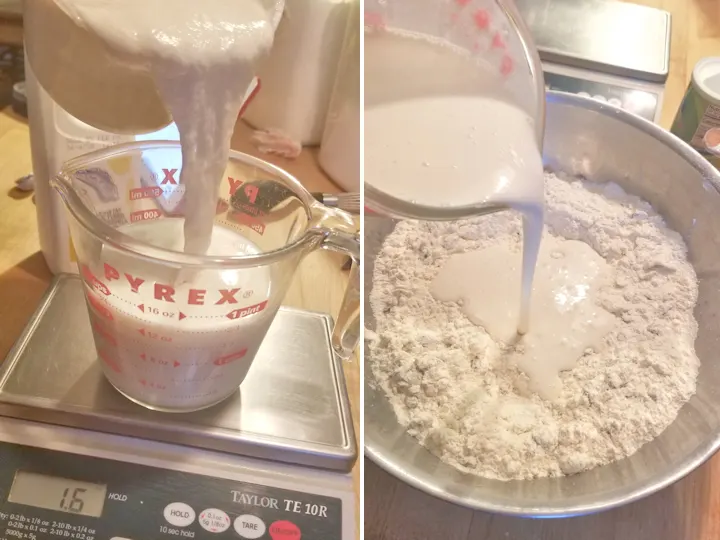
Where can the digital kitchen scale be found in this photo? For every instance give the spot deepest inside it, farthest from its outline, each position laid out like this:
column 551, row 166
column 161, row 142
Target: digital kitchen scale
column 608, row 36
column 608, row 50
column 638, row 97
column 79, row 461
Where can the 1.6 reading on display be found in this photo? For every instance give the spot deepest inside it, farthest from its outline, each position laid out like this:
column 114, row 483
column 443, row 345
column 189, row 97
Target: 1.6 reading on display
column 53, row 493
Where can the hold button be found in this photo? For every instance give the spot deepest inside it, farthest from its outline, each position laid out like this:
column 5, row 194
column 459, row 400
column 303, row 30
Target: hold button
column 179, row 514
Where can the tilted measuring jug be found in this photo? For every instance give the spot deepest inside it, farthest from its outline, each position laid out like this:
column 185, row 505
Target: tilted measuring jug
column 492, row 32
column 174, row 331
column 87, row 78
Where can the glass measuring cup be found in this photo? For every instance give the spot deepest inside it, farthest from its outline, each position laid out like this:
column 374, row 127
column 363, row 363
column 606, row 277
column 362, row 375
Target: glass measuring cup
column 173, row 331
column 491, row 31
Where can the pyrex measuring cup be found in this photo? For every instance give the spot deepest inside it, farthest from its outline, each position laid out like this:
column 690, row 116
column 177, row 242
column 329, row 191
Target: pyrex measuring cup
column 173, row 331
column 491, row 31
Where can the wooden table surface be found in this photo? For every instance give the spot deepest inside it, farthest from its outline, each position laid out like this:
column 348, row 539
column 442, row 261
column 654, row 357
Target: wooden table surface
column 688, row 510
column 319, row 283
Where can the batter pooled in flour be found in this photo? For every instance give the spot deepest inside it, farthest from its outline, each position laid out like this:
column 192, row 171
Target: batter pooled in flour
column 458, row 390
column 465, row 112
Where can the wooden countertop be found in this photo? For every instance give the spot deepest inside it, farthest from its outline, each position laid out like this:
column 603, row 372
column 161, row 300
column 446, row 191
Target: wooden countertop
column 319, row 283
column 688, row 510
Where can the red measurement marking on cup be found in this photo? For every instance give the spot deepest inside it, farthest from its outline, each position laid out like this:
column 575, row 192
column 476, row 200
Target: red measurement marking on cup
column 169, row 177
column 144, row 215
column 506, row 65
column 145, row 193
column 159, row 361
column 374, row 20
column 481, row 18
column 98, row 307
column 251, row 191
column 230, row 358
column 497, row 41
column 250, row 221
column 111, row 363
column 164, row 313
column 235, row 184
column 222, row 206
column 244, row 312
column 94, row 282
column 249, row 209
column 154, row 335
column 152, row 384
column 104, row 333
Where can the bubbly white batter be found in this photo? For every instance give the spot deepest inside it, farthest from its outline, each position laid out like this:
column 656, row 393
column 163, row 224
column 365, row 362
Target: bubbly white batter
column 566, row 318
column 440, row 131
column 153, row 354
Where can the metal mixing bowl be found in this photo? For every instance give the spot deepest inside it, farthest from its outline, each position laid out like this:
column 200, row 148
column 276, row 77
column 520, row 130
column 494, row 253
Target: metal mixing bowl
column 601, row 143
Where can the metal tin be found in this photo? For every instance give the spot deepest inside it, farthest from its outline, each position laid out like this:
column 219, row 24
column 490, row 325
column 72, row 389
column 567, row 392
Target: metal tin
column 616, row 38
column 698, row 120
column 293, row 406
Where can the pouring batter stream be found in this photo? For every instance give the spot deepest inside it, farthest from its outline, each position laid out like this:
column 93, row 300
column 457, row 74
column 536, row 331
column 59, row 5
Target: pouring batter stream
column 441, row 131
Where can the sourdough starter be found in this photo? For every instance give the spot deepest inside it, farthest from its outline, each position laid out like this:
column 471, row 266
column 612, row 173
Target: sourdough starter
column 174, row 363
column 459, row 389
column 440, row 131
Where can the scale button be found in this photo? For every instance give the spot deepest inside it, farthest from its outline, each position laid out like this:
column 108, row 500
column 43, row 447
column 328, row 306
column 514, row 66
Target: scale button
column 179, row 514
column 249, row 526
column 284, row 530
column 214, row 520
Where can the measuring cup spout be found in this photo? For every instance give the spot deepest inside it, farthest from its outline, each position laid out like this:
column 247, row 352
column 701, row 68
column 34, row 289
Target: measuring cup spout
column 70, row 197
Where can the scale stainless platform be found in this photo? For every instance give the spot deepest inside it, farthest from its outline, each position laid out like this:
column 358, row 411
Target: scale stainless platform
column 293, row 406
column 605, row 49
column 608, row 36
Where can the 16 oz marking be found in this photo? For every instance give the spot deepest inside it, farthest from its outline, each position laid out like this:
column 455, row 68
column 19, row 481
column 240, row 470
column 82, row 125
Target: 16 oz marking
column 156, row 311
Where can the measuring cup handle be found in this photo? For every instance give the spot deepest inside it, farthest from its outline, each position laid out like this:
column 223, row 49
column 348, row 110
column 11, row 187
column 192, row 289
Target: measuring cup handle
column 346, row 334
column 340, row 234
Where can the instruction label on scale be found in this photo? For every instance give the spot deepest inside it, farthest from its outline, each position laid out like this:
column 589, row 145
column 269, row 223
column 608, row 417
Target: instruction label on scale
column 47, row 495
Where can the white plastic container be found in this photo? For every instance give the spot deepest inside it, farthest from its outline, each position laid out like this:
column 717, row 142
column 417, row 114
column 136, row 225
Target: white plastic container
column 55, row 137
column 340, row 149
column 298, row 76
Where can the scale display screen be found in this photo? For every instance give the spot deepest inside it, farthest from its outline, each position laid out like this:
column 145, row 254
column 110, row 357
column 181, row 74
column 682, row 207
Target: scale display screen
column 53, row 493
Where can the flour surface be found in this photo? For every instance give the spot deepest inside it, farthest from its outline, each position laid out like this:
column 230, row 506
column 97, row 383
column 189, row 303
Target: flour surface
column 447, row 379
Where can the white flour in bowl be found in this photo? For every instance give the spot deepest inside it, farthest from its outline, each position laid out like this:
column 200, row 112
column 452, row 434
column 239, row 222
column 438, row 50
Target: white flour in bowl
column 446, row 378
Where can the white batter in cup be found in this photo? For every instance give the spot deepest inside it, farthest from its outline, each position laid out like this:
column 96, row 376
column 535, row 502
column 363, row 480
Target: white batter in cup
column 174, row 331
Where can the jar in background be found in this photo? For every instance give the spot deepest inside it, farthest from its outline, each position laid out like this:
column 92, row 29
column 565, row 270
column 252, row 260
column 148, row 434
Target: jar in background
column 298, row 75
column 340, row 148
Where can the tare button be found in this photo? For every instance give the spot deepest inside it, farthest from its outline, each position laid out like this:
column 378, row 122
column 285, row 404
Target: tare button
column 249, row 526
column 214, row 520
column 179, row 514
